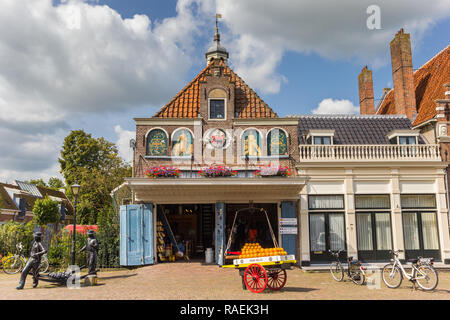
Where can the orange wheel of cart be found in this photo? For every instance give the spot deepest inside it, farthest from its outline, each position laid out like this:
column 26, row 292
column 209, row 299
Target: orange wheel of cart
column 276, row 279
column 255, row 278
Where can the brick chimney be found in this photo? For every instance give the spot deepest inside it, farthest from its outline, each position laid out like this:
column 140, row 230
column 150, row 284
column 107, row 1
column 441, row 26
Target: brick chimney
column 402, row 74
column 366, row 99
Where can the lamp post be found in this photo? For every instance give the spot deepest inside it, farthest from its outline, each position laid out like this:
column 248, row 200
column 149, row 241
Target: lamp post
column 75, row 189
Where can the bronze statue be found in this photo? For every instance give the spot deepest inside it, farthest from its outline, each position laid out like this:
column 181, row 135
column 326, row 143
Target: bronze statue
column 37, row 251
column 91, row 248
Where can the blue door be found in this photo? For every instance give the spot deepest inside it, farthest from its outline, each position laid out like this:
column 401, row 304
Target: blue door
column 288, row 240
column 136, row 235
column 219, row 233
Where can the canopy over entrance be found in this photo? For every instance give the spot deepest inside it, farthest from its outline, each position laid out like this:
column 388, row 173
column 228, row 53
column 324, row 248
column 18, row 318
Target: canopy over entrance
column 202, row 190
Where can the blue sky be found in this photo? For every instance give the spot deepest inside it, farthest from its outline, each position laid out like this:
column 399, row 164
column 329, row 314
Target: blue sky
column 122, row 59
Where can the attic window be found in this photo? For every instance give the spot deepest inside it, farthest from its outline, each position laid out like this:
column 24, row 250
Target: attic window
column 320, row 137
column 217, row 109
column 403, row 137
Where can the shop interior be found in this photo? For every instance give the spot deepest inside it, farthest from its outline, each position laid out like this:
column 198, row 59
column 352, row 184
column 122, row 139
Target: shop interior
column 191, row 227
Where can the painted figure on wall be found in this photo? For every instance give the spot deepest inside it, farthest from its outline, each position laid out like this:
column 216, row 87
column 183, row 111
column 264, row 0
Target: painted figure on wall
column 157, row 143
column 277, row 142
column 251, row 144
column 182, row 143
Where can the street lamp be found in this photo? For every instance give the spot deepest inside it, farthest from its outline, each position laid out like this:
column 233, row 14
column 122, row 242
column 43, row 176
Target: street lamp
column 75, row 189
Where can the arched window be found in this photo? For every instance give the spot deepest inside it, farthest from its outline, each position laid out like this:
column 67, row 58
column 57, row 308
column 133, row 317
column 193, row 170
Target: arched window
column 156, row 143
column 182, row 143
column 251, row 143
column 277, row 143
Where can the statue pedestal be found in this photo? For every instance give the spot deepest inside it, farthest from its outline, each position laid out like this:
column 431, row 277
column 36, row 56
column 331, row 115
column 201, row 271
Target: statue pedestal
column 90, row 280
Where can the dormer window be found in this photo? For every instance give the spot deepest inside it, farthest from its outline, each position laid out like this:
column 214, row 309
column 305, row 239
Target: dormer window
column 403, row 137
column 320, row 137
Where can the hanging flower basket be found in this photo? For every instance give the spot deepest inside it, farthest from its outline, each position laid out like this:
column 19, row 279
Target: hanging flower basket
column 268, row 171
column 162, row 172
column 217, row 171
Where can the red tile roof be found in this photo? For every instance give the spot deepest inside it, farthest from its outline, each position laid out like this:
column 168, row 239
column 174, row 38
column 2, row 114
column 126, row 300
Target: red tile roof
column 186, row 104
column 429, row 83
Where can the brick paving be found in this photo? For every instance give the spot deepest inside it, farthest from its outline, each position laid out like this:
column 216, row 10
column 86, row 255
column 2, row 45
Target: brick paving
column 193, row 280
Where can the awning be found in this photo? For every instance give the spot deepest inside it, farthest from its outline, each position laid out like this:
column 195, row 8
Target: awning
column 207, row 190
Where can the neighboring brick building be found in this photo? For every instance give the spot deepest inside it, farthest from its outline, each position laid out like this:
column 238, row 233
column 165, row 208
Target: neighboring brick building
column 17, row 201
column 422, row 95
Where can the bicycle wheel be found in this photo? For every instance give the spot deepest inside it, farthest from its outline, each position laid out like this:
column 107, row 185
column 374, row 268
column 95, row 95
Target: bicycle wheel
column 392, row 276
column 358, row 277
column 337, row 272
column 12, row 265
column 427, row 278
column 43, row 267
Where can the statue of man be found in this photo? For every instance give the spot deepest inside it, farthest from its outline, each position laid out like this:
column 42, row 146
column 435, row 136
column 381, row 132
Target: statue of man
column 91, row 248
column 37, row 251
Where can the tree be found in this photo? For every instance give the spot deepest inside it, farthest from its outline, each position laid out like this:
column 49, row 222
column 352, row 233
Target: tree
column 38, row 182
column 55, row 183
column 46, row 211
column 97, row 167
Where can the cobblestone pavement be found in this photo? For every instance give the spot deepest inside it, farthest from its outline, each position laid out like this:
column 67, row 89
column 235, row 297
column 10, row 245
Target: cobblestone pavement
column 192, row 281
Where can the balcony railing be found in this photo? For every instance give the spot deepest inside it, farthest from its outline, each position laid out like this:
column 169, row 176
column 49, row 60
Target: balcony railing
column 390, row 152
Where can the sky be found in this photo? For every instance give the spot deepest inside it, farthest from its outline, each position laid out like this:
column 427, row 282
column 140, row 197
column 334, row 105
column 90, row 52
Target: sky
column 97, row 64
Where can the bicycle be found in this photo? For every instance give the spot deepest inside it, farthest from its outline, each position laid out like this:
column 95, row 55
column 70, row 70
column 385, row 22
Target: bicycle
column 423, row 273
column 17, row 262
column 355, row 270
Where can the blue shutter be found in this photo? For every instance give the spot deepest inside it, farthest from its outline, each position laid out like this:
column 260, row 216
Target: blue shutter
column 219, row 232
column 62, row 211
column 136, row 235
column 147, row 234
column 22, row 207
column 288, row 240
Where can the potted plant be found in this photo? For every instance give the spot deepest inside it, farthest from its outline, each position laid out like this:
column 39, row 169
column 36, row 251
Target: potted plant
column 217, row 171
column 162, row 172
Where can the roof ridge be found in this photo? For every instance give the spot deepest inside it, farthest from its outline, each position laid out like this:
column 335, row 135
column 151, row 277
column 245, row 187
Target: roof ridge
column 359, row 116
column 434, row 57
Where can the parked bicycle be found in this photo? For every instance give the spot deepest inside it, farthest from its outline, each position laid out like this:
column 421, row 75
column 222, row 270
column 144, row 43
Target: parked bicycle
column 422, row 272
column 355, row 270
column 17, row 262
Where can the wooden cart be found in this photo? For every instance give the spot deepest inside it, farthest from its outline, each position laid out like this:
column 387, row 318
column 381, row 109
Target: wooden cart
column 260, row 272
column 265, row 272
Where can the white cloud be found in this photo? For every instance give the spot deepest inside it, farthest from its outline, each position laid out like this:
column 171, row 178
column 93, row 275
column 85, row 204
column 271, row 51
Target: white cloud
column 331, row 106
column 261, row 31
column 123, row 143
column 76, row 58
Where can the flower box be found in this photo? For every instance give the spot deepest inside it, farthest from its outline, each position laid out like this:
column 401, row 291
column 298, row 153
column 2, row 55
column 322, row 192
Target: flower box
column 162, row 172
column 268, row 171
column 217, row 171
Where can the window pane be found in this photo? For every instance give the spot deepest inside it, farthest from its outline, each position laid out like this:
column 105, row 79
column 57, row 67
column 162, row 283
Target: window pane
column 372, row 201
column 383, row 231
column 410, row 230
column 407, row 140
column 364, row 231
column 326, row 202
column 337, row 229
column 216, row 109
column 317, row 232
column 322, row 140
column 429, row 231
column 418, row 201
